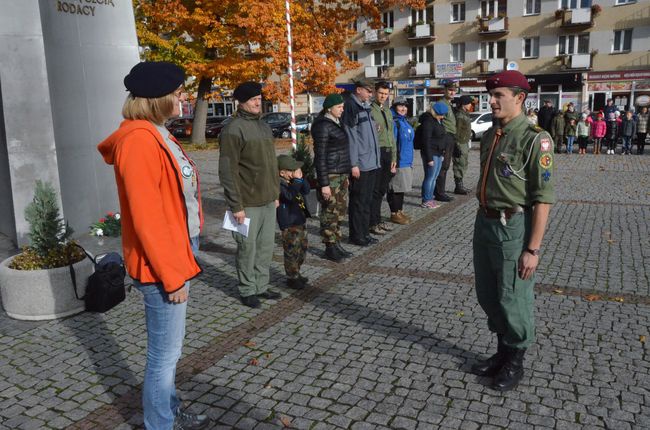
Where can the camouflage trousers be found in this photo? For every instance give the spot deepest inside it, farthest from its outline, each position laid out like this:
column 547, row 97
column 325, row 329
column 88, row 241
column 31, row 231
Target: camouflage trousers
column 334, row 210
column 294, row 243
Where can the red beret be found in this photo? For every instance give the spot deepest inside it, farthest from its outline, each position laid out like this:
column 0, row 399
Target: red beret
column 508, row 79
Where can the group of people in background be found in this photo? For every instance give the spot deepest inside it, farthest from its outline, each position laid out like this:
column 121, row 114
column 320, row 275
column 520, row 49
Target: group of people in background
column 604, row 129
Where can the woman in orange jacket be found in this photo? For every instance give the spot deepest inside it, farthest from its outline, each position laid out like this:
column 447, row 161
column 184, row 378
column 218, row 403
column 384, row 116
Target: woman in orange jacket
column 158, row 187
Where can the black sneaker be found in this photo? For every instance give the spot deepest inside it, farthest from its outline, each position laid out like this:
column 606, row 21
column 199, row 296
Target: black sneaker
column 343, row 251
column 251, row 301
column 269, row 295
column 295, row 283
column 188, row 421
column 303, row 279
column 371, row 240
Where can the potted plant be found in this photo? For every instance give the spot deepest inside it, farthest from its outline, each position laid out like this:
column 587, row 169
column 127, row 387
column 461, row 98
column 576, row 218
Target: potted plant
column 37, row 283
column 302, row 152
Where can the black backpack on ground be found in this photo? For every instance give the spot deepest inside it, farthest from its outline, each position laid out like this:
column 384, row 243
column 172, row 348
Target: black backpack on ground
column 105, row 288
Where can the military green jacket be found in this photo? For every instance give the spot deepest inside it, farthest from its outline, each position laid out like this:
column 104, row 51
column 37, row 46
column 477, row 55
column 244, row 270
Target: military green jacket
column 463, row 126
column 520, row 169
column 248, row 167
column 386, row 124
column 449, row 121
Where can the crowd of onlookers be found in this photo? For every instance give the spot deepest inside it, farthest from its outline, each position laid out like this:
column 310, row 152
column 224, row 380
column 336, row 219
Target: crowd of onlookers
column 605, row 130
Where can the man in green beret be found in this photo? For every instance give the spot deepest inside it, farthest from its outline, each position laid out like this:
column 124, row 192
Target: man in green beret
column 515, row 193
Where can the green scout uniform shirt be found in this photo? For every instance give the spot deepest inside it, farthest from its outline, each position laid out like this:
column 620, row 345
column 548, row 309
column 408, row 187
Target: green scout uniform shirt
column 384, row 118
column 463, row 126
column 449, row 121
column 521, row 169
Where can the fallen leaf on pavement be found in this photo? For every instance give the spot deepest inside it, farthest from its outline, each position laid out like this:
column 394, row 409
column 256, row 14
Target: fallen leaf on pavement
column 250, row 344
column 253, row 362
column 460, row 314
column 558, row 291
column 618, row 299
column 592, row 297
column 286, row 422
column 267, row 355
column 642, row 339
column 610, row 241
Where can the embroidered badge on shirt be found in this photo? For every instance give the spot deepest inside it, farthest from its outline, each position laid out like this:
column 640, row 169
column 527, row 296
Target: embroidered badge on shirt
column 546, row 161
column 546, row 175
column 506, row 171
column 545, row 144
column 187, row 171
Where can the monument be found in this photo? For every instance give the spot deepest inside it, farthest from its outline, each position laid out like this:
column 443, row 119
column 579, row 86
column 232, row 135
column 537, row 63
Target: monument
column 61, row 92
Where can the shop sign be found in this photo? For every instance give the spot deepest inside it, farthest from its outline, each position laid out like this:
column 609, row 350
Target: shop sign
column 618, row 76
column 532, row 101
column 642, row 100
column 449, row 70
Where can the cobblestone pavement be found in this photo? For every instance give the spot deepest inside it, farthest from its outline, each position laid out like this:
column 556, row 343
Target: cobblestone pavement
column 383, row 341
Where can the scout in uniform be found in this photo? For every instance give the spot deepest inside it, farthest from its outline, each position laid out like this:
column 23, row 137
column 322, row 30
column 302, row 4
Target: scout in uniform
column 515, row 193
column 449, row 122
column 463, row 136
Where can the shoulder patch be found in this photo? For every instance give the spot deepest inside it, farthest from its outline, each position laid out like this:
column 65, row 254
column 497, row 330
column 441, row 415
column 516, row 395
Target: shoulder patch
column 536, row 128
column 545, row 144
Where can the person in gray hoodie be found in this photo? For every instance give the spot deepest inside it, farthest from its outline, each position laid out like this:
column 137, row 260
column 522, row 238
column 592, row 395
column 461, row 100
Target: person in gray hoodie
column 361, row 131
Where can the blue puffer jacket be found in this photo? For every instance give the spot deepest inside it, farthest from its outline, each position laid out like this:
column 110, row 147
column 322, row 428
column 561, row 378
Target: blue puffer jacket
column 404, row 135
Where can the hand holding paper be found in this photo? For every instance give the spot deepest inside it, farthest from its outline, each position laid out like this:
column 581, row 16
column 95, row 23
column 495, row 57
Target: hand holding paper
column 230, row 223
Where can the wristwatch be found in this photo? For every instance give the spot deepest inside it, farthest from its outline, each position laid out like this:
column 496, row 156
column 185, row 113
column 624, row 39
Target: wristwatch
column 534, row 252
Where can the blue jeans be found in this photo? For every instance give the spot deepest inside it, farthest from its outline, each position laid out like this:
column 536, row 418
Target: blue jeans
column 165, row 333
column 627, row 143
column 569, row 144
column 430, row 176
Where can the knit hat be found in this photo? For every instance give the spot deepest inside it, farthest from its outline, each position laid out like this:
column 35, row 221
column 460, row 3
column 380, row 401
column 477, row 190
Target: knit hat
column 465, row 100
column 400, row 102
column 440, row 108
column 287, row 162
column 153, row 79
column 247, row 91
column 332, row 100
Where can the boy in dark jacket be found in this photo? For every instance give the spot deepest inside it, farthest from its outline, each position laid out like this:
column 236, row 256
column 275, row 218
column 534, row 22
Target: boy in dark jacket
column 291, row 214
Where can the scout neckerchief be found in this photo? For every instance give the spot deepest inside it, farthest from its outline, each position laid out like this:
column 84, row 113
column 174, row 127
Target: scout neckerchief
column 483, row 194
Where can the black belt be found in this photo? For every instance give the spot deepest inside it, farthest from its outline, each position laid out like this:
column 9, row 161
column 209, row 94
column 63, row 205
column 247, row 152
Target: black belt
column 507, row 213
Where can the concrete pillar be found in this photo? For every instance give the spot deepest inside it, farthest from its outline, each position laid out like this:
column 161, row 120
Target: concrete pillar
column 61, row 92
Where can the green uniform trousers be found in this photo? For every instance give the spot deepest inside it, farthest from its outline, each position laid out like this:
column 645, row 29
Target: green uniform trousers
column 255, row 251
column 507, row 299
column 460, row 162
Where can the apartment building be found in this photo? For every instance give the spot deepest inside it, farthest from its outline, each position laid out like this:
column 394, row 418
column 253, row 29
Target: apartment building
column 580, row 51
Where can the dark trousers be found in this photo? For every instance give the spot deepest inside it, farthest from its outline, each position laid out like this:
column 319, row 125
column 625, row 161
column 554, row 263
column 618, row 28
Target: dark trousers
column 446, row 162
column 359, row 207
column 395, row 201
column 640, row 142
column 381, row 185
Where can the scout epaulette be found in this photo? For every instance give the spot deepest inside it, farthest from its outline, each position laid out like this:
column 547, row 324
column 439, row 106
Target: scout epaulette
column 537, row 128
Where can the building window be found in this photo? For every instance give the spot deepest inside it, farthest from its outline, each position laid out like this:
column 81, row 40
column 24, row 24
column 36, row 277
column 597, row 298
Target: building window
column 458, row 12
column 352, row 55
column 624, row 1
column 575, row 4
column 531, row 47
column 573, row 44
column 388, row 19
column 622, row 40
column 490, row 50
column 421, row 16
column 354, row 25
column 383, row 57
column 532, row 7
column 458, row 52
column 492, row 8
column 422, row 54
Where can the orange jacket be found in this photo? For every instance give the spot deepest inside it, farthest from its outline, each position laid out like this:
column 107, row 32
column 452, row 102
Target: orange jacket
column 155, row 238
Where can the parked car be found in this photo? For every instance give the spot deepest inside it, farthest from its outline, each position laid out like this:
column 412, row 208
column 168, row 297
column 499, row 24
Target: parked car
column 214, row 124
column 304, row 121
column 280, row 123
column 481, row 122
column 180, row 127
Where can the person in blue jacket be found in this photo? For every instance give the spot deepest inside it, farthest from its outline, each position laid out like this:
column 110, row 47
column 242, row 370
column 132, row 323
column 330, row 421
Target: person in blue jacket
column 292, row 215
column 403, row 179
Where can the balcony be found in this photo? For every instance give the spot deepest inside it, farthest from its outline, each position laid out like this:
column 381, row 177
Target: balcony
column 492, row 65
column 493, row 26
column 421, row 32
column 378, row 72
column 577, row 61
column 420, row 69
column 376, row 37
column 573, row 18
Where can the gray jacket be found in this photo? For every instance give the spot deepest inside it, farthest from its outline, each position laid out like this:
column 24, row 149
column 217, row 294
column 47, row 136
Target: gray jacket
column 362, row 135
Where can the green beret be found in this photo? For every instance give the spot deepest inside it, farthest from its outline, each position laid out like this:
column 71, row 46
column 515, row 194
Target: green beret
column 332, row 100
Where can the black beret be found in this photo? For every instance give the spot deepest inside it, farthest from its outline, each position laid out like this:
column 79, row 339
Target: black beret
column 247, row 91
column 465, row 100
column 153, row 79
column 508, row 79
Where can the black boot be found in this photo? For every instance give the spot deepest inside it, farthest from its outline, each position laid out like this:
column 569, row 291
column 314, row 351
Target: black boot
column 492, row 365
column 296, row 283
column 332, row 253
column 343, row 251
column 439, row 193
column 511, row 372
column 460, row 189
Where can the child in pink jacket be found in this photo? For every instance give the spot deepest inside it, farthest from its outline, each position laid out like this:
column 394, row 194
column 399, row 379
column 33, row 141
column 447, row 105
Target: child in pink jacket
column 598, row 130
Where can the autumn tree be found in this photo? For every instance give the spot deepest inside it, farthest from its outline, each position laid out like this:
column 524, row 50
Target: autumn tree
column 226, row 42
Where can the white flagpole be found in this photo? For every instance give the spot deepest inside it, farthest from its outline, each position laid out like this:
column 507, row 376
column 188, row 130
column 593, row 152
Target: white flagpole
column 291, row 95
